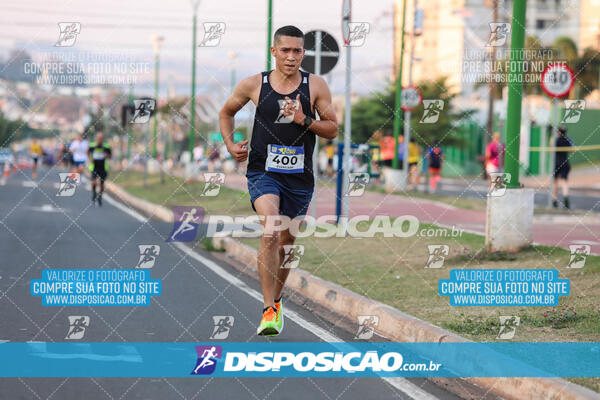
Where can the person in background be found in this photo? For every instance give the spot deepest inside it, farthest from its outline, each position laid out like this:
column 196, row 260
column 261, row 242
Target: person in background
column 494, row 157
column 198, row 153
column 414, row 154
column 401, row 151
column 35, row 150
column 561, row 167
column 386, row 145
column 435, row 158
column 330, row 151
column 99, row 152
column 79, row 151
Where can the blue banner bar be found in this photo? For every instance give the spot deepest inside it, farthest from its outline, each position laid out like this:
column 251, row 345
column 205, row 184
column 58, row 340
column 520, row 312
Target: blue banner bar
column 361, row 359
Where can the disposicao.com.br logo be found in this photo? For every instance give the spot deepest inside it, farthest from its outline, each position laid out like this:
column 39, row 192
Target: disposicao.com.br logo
column 371, row 362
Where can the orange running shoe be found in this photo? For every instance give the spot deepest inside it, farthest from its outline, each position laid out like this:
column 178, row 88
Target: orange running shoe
column 268, row 324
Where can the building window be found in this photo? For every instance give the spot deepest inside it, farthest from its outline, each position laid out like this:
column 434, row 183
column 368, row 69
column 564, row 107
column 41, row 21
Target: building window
column 539, row 24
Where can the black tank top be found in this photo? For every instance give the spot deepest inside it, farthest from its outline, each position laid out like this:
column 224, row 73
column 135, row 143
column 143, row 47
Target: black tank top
column 284, row 140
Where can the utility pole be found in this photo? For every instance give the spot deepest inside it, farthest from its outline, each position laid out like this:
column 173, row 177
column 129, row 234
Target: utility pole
column 408, row 113
column 195, row 5
column 269, row 31
column 397, row 110
column 515, row 89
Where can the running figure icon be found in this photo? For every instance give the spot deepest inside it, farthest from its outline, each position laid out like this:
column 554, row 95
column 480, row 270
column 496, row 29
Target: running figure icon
column 207, row 361
column 187, row 218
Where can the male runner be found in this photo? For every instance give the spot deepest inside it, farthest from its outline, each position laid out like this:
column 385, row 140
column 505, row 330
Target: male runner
column 280, row 170
column 99, row 153
column 79, row 150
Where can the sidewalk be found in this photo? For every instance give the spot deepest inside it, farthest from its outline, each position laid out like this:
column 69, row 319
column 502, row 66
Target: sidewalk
column 580, row 180
column 550, row 231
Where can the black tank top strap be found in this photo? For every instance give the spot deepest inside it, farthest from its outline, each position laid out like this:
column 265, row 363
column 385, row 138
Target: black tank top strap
column 272, row 133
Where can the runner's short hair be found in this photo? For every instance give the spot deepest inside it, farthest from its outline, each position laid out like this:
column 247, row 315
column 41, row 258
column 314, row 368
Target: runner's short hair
column 288, row 30
column 562, row 130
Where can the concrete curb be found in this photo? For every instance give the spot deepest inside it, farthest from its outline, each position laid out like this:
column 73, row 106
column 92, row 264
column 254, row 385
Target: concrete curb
column 393, row 323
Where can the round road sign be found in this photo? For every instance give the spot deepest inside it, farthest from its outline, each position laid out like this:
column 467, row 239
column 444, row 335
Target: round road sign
column 321, row 55
column 411, row 98
column 557, row 80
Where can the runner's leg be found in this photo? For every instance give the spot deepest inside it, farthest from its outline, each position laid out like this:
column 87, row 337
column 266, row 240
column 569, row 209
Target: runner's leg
column 267, row 207
column 101, row 186
column 94, row 179
column 282, row 273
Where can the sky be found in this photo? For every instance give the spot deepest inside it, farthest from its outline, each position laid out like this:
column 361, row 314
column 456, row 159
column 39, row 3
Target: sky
column 125, row 28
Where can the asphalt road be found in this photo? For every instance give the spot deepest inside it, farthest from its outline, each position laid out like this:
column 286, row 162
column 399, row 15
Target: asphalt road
column 42, row 231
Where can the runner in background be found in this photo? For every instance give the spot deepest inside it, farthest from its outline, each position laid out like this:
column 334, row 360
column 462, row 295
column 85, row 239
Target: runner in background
column 400, row 152
column 330, row 151
column 387, row 144
column 414, row 154
column 79, row 153
column 99, row 153
column 561, row 167
column 35, row 150
column 435, row 158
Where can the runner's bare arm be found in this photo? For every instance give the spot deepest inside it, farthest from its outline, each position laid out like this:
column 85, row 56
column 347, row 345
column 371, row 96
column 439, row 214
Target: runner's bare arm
column 327, row 126
column 241, row 95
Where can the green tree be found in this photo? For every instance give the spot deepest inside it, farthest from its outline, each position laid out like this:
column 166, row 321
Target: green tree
column 10, row 130
column 376, row 113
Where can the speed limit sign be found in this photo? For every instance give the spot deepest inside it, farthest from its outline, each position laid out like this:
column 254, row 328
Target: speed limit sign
column 557, row 80
column 411, row 98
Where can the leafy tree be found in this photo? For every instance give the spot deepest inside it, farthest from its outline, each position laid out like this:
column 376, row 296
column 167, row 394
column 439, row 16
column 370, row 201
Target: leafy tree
column 376, row 113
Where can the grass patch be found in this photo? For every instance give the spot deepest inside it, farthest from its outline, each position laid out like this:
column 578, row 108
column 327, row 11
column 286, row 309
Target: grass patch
column 209, row 246
column 173, row 192
column 392, row 270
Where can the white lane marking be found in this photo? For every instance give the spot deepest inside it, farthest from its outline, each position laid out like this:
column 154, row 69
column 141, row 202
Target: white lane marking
column 29, row 184
column 47, row 208
column 402, row 384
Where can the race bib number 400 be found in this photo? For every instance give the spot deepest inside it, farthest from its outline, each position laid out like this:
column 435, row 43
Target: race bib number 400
column 285, row 159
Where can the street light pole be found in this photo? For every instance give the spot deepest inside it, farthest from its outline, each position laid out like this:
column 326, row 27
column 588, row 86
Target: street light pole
column 195, row 5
